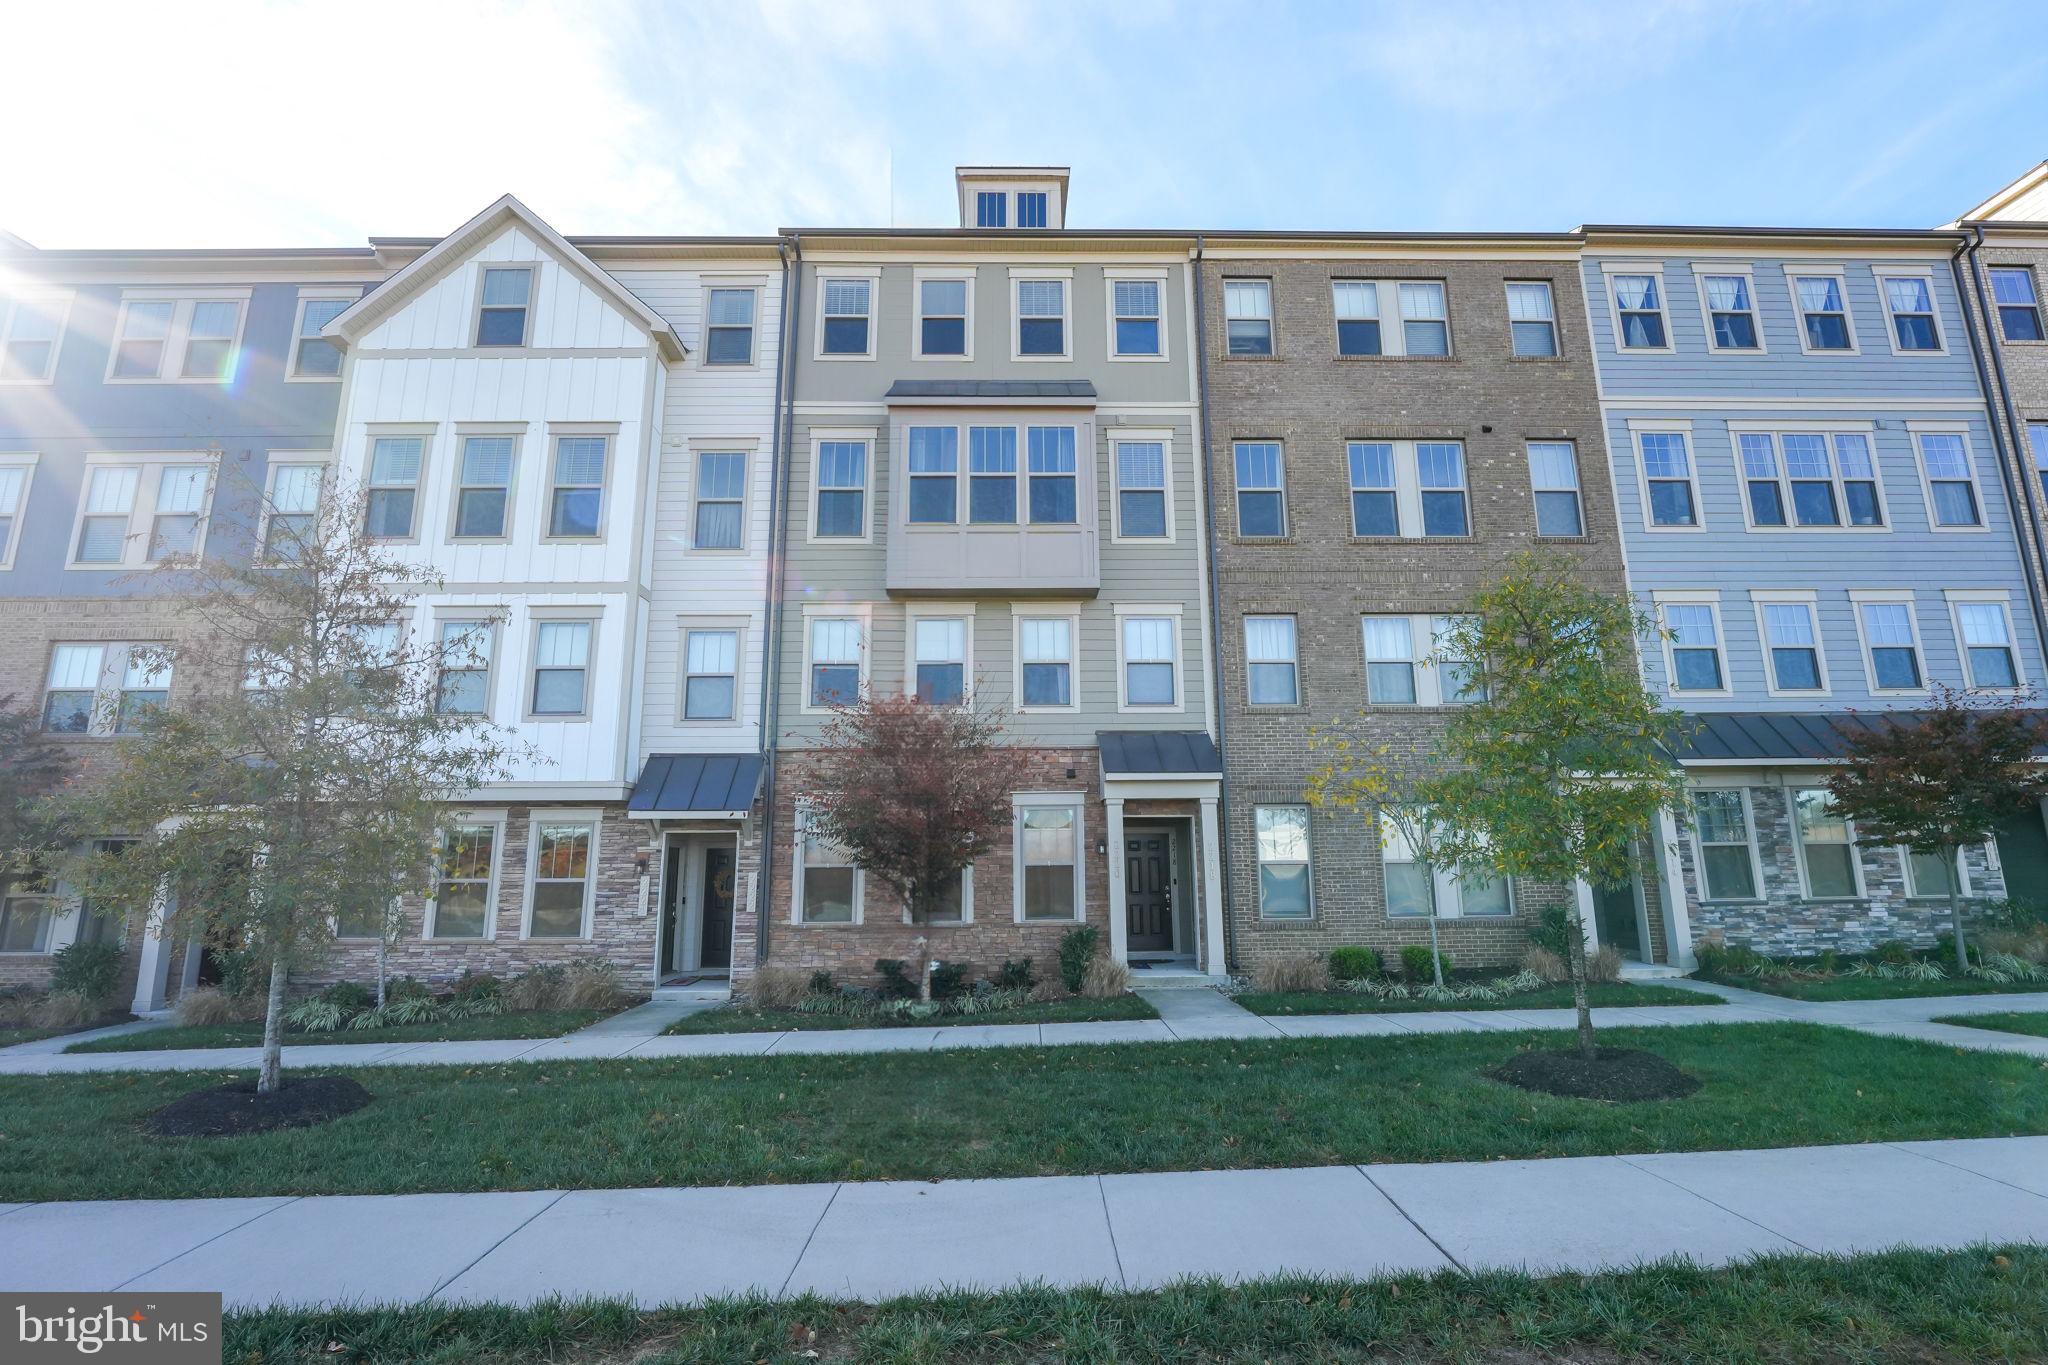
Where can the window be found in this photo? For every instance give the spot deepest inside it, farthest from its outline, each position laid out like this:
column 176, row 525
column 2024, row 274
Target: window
column 1693, row 639
column 1554, row 480
column 462, row 901
column 992, row 476
column 1248, row 317
column 464, row 687
column 1375, row 504
column 934, row 455
column 181, row 498
column 842, row 490
column 831, row 884
column 394, row 486
column 1727, row 850
column 1051, row 469
column 13, row 493
column 70, row 698
column 1150, row 661
column 29, row 331
column 1134, row 318
column 145, row 687
column 1458, row 681
column 1929, row 875
column 1793, row 642
column 1415, row 889
column 1270, row 674
column 1986, row 633
column 1031, row 207
column 991, row 208
column 942, row 318
column 2019, row 310
column 98, row 923
column 314, row 356
column 1281, row 834
column 1041, row 317
column 561, row 668
column 26, row 912
column 1639, row 308
column 191, row 339
column 939, row 650
column 721, row 493
column 143, row 339
column 1141, row 489
column 2037, row 441
column 565, row 855
column 1390, row 660
column 1045, row 660
column 1532, row 319
column 1395, row 659
column 103, row 525
column 482, row 495
column 1425, row 326
column 1440, row 476
column 1731, row 312
column 711, row 672
column 501, row 306
column 1667, row 469
column 1891, row 645
column 576, row 499
column 729, row 326
column 844, row 317
column 1827, row 847
column 1049, row 862
column 836, row 660
column 1824, row 317
column 1951, row 483
column 1261, row 494
column 292, row 517
column 1813, row 486
column 1910, row 301
column 1358, row 317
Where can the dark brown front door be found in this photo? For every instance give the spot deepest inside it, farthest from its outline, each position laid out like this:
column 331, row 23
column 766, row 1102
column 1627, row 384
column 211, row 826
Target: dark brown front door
column 717, row 905
column 1148, row 892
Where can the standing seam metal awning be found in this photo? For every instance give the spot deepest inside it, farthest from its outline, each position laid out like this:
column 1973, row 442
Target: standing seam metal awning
column 1157, row 753
column 696, row 784
column 1779, row 736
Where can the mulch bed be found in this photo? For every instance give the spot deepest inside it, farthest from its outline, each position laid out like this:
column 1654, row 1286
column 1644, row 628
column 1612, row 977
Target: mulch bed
column 1616, row 1073
column 236, row 1109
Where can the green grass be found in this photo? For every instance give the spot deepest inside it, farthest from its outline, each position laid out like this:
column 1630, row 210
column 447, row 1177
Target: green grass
column 1978, row 1304
column 1876, row 987
column 523, row 1024
column 2013, row 1022
column 1005, row 1112
column 10, row 1036
column 1550, row 997
column 745, row 1019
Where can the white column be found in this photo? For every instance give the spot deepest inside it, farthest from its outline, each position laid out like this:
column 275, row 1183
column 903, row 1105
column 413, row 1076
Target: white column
column 1118, row 913
column 1214, row 959
column 1677, row 913
column 1589, row 921
column 154, row 975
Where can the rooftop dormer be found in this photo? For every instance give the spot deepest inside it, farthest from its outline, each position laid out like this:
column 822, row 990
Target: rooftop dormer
column 1012, row 196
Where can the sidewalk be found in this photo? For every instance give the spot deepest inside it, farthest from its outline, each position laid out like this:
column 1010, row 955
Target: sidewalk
column 873, row 1240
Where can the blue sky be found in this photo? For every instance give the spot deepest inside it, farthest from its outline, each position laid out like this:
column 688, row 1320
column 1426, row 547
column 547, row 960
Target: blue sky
column 311, row 124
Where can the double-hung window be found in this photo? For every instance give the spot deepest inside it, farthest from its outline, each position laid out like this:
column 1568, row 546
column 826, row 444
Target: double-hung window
column 145, row 688
column 192, row 339
column 1891, row 644
column 942, row 318
column 1910, row 301
column 392, row 498
column 992, row 476
column 1693, row 645
column 1135, row 315
column 1554, row 482
column 1041, row 318
column 1731, row 312
column 1408, row 663
column 1052, row 474
column 27, row 910
column 1425, row 320
column 842, row 473
column 2019, row 308
column 1150, row 661
column 1951, row 483
column 1827, row 847
column 483, row 494
column 837, row 665
column 1419, row 307
column 178, row 528
column 717, row 522
column 1823, row 313
column 934, row 465
column 1930, row 875
column 1824, row 480
column 711, row 673
column 1045, row 660
column 30, row 327
column 293, row 512
column 576, row 497
column 313, row 355
column 71, row 697
column 729, row 326
column 1440, row 481
column 464, row 869
column 1270, row 662
column 1141, row 490
column 561, row 669
column 2037, row 442
column 1390, row 661
column 1261, row 489
column 1727, row 846
column 143, row 339
column 1532, row 318
column 1281, row 836
column 1792, row 643
column 465, row 672
column 1416, row 889
column 1375, row 495
column 1358, row 317
column 1457, row 680
column 939, row 658
column 832, row 885
column 1639, row 312
column 1667, row 470
column 1985, row 630
column 502, row 305
column 109, row 503
column 1248, row 317
column 13, row 493
column 564, row 864
column 844, row 321
column 1049, row 861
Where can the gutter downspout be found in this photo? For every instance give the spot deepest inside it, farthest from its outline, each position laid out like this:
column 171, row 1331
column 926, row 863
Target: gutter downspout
column 1201, row 344
column 2020, row 499
column 792, row 252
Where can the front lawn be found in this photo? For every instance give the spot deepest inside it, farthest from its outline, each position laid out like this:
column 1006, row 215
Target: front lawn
column 522, row 1024
column 1875, row 987
column 747, row 1019
column 1601, row 995
column 1005, row 1112
column 1935, row 1307
column 2011, row 1022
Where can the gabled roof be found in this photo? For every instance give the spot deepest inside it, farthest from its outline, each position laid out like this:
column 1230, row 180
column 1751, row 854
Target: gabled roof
column 2001, row 204
column 373, row 307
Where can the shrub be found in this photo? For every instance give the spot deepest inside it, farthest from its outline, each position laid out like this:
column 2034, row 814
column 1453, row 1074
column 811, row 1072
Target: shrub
column 91, row 970
column 65, row 1009
column 206, row 1008
column 1105, row 979
column 16, row 1003
column 896, row 982
column 1296, row 972
column 1945, row 949
column 350, row 997
column 404, row 1009
column 1016, row 975
column 316, row 1015
column 1725, row 960
column 1604, row 965
column 473, row 986
column 821, row 983
column 593, row 986
column 1415, row 964
column 1077, row 947
column 2031, row 943
column 407, row 988
column 1554, row 933
column 1893, row 952
column 949, row 979
column 1542, row 963
column 241, row 978
column 774, row 986
column 540, row 987
column 1045, row 992
column 1353, row 963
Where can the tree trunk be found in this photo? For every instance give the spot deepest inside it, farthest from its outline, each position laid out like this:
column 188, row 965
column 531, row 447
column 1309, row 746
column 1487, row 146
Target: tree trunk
column 382, row 949
column 269, row 1076
column 1577, row 958
column 1955, row 909
column 1436, row 958
column 924, row 968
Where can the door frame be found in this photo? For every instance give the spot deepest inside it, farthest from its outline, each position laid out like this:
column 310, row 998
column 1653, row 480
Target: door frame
column 1168, row 825
column 686, row 953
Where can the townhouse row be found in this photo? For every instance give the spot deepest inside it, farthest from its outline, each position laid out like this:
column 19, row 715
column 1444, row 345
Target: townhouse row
column 1169, row 500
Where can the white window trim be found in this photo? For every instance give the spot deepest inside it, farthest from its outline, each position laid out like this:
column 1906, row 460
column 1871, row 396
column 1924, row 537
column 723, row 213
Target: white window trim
column 966, row 905
column 463, row 431
column 1700, row 271
column 26, row 461
column 1078, row 803
column 966, row 275
column 565, row 816
column 1110, row 276
column 873, row 275
column 1169, row 611
column 606, row 499
column 1793, row 274
column 1244, row 633
column 1709, row 598
column 1654, row 269
column 1259, row 863
column 1139, row 436
column 107, row 687
column 1799, row 852
column 150, row 466
column 800, row 829
column 823, row 436
column 9, row 308
column 1236, row 506
column 1699, row 856
column 1636, row 428
column 738, row 626
column 862, row 612
column 1408, row 488
column 1556, row 327
column 1070, row 612
column 934, row 611
column 1759, row 598
column 1962, row 871
column 1065, row 274
column 554, row 615
column 748, row 449
column 431, row 914
column 1996, row 324
column 1393, row 329
column 51, row 908
column 1899, row 597
column 1914, row 431
column 1429, row 684
column 751, row 284
column 291, row 355
column 476, row 304
column 1884, row 300
column 1577, row 490
column 1828, row 431
column 376, row 431
column 492, row 619
column 2003, row 600
column 178, row 336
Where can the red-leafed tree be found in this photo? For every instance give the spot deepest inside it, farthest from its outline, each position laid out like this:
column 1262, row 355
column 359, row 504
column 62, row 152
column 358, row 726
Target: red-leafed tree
column 914, row 793
column 1938, row 780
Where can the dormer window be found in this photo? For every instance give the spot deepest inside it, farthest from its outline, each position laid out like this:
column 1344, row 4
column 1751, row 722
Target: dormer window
column 1031, row 206
column 990, row 208
column 501, row 311
column 1001, row 197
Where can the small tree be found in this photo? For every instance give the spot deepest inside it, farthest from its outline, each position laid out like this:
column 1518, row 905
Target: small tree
column 303, row 786
column 1938, row 780
column 1354, row 775
column 914, row 793
column 30, row 770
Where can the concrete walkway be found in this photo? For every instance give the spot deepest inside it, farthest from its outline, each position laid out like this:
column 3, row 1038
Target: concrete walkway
column 873, row 1240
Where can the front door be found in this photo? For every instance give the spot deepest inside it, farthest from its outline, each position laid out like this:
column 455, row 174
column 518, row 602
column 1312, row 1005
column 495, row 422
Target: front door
column 1148, row 892
column 1614, row 912
column 716, row 903
column 670, row 953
